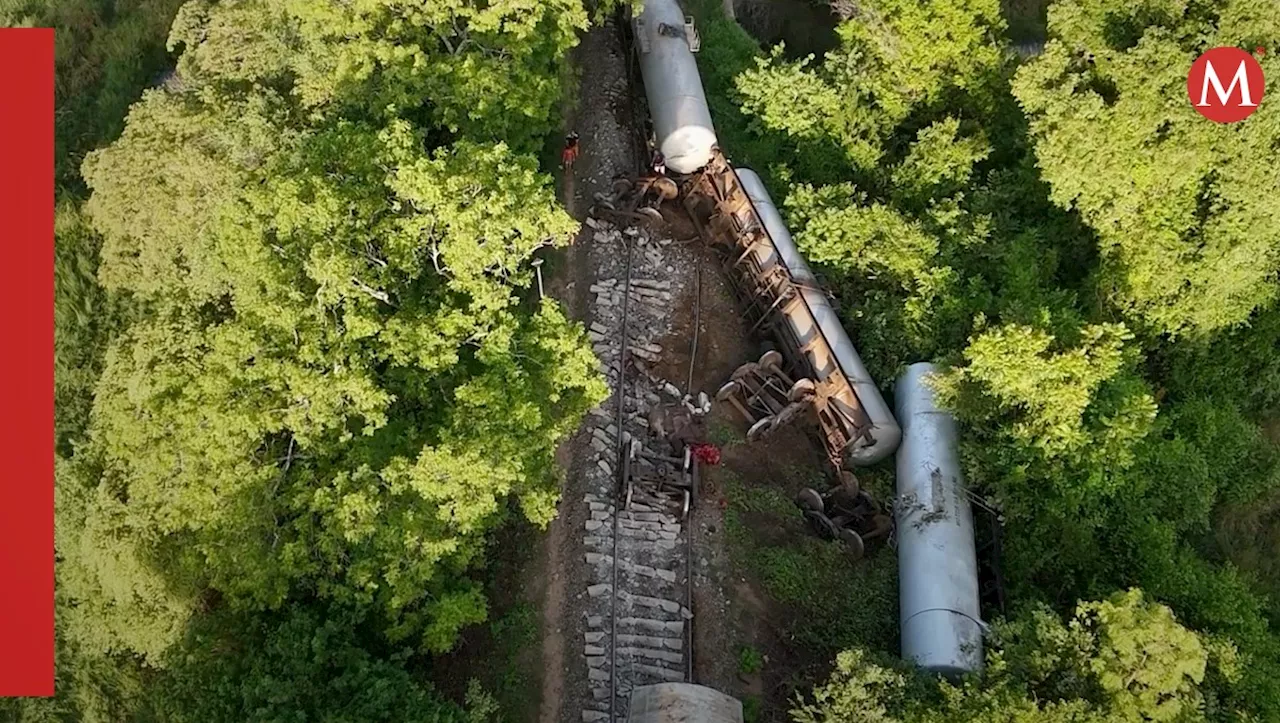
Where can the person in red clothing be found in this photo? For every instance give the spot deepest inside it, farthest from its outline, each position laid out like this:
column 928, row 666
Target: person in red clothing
column 658, row 163
column 570, row 152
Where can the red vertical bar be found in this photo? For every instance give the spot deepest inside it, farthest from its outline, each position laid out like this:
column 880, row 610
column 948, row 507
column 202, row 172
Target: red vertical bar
column 26, row 361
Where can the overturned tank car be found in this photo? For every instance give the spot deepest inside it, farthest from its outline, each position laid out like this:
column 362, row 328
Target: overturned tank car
column 666, row 41
column 937, row 563
column 783, row 295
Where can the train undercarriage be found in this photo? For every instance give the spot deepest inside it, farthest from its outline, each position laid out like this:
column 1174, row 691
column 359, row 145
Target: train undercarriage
column 782, row 386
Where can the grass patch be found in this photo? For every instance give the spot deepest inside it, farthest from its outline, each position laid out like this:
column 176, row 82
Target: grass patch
column 515, row 691
column 725, row 435
column 831, row 601
column 497, row 666
column 759, row 499
column 751, row 707
column 492, row 670
column 750, row 661
column 519, row 627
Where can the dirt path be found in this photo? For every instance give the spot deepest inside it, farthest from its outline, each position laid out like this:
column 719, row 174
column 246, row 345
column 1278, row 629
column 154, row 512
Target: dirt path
column 604, row 119
column 553, row 639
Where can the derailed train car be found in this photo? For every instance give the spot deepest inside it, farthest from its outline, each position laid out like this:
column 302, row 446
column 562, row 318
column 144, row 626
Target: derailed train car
column 937, row 562
column 666, row 40
column 941, row 628
column 857, row 426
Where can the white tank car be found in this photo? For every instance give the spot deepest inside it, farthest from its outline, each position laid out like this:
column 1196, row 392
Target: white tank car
column 677, row 104
column 937, row 563
column 818, row 332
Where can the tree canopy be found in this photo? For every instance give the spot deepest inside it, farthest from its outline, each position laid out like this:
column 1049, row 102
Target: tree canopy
column 1119, row 660
column 333, row 379
column 1183, row 210
column 332, row 317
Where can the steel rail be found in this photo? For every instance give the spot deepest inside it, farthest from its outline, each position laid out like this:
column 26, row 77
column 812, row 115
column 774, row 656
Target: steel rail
column 620, row 491
column 693, row 474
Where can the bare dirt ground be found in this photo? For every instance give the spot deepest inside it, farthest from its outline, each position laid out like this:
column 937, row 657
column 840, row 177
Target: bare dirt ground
column 605, row 121
column 734, row 616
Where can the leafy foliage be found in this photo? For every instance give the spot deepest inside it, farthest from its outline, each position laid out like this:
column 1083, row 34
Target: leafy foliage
column 298, row 665
column 1042, row 410
column 895, row 58
column 315, row 380
column 1183, row 209
column 332, row 319
column 1120, row 659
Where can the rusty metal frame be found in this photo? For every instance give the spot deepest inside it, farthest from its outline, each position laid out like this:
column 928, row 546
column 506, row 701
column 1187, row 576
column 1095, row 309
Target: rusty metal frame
column 734, row 228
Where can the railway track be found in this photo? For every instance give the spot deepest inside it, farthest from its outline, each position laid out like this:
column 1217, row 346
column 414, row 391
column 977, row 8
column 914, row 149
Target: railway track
column 636, row 545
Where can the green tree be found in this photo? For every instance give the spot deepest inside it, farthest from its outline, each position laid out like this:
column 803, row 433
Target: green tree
column 333, row 387
column 896, row 58
column 1038, row 407
column 858, row 691
column 297, row 399
column 486, row 70
column 1120, row 660
column 300, row 664
column 1184, row 210
column 940, row 162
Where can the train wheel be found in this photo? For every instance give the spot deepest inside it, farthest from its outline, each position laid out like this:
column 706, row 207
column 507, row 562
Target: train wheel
column 770, row 360
column 621, row 187
column 852, row 542
column 651, row 214
column 728, row 390
column 744, row 371
column 759, row 428
column 666, row 188
column 802, row 390
column 809, row 500
column 849, row 481
column 822, row 525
